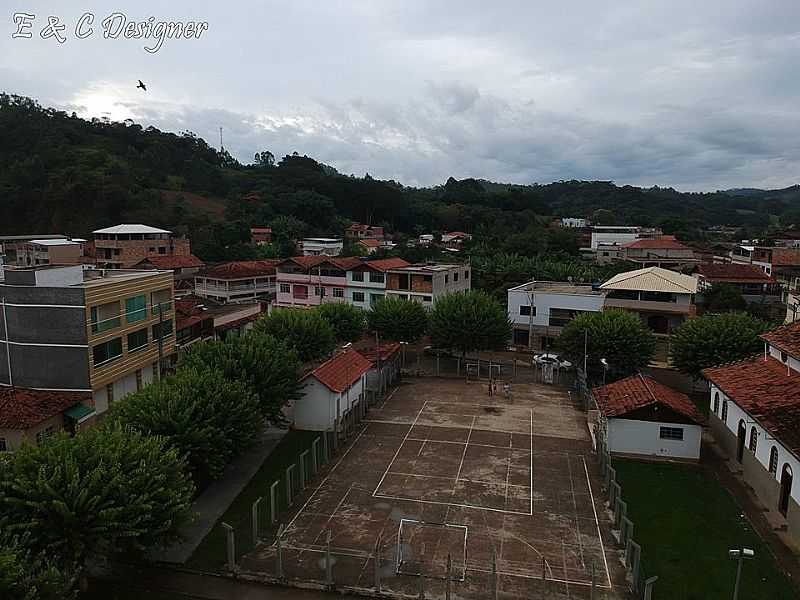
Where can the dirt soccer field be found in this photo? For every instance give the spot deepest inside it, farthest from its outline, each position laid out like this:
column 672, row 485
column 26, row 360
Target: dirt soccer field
column 442, row 469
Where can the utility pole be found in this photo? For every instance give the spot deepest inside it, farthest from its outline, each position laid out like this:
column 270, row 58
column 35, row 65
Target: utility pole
column 378, row 362
column 739, row 556
column 531, row 297
column 160, row 339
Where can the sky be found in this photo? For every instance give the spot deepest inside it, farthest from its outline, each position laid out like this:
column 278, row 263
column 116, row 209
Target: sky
column 692, row 95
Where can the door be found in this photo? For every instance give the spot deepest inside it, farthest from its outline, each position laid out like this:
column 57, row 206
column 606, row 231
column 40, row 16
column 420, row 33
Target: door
column 740, row 441
column 658, row 324
column 786, row 489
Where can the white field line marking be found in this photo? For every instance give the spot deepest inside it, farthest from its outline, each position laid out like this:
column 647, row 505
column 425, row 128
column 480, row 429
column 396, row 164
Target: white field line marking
column 597, row 522
column 564, row 561
column 575, row 508
column 330, row 518
column 472, row 506
column 323, row 482
column 463, row 454
column 388, row 397
column 515, row 485
column 444, row 426
column 400, row 447
column 556, row 579
column 531, row 419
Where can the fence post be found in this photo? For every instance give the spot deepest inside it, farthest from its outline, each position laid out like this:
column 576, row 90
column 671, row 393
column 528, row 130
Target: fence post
column 335, row 433
column 448, row 578
column 279, row 554
column 635, row 561
column 254, row 520
column 614, row 495
column 626, row 532
column 273, row 502
column 328, row 563
column 325, row 450
column 303, row 474
column 620, row 512
column 378, row 564
column 230, row 545
column 289, row 490
column 648, row 587
column 315, row 456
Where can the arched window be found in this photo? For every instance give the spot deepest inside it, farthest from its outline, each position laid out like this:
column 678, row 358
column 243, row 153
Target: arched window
column 773, row 460
column 725, row 411
column 716, row 403
column 753, row 439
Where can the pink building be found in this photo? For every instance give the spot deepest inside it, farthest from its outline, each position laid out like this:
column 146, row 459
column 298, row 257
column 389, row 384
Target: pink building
column 304, row 281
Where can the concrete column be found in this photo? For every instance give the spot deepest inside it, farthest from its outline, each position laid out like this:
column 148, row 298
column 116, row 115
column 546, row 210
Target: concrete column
column 273, row 502
column 303, row 473
column 315, row 456
column 279, row 554
column 230, row 539
column 254, row 520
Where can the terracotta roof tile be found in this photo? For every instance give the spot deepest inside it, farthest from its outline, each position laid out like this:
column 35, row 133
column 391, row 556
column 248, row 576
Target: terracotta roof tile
column 188, row 261
column 384, row 264
column 370, row 243
column 785, row 257
column 366, row 348
column 638, row 391
column 664, row 243
column 341, row 371
column 241, row 269
column 766, row 390
column 311, row 262
column 733, row 273
column 23, row 408
column 785, row 338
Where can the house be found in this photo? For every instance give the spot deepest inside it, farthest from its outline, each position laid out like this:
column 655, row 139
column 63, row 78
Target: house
column 663, row 299
column 304, row 281
column 574, row 222
column 122, row 246
column 755, row 419
column 753, row 283
column 618, row 235
column 102, row 332
column 554, row 304
column 367, row 281
column 321, row 246
column 605, row 253
column 359, row 231
column 641, row 417
column 385, row 364
column 260, row 236
column 29, row 416
column 427, row 282
column 198, row 319
column 369, row 245
column 49, row 252
column 453, row 240
column 332, row 393
column 426, row 239
column 238, row 281
column 183, row 266
column 11, row 245
column 664, row 251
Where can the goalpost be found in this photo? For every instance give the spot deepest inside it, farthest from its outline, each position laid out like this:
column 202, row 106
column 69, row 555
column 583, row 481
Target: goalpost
column 423, row 549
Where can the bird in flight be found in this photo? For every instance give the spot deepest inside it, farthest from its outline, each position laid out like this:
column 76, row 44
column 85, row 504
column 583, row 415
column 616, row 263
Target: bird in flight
column 141, row 85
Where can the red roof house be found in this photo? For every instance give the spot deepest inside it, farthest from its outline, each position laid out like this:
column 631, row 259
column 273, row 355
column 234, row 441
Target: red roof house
column 26, row 414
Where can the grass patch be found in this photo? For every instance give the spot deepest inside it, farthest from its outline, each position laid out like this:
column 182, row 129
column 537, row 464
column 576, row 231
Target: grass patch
column 686, row 522
column 210, row 554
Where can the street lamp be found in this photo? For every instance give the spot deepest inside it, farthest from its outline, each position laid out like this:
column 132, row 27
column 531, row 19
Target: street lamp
column 604, row 362
column 739, row 555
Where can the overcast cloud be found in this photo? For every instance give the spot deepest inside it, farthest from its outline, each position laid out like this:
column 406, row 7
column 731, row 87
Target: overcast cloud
column 694, row 95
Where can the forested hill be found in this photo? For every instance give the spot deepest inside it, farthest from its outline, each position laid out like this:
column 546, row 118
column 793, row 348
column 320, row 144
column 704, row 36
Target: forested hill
column 60, row 173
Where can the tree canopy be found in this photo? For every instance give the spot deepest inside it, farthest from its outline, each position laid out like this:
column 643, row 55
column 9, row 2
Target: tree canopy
column 469, row 322
column 615, row 335
column 398, row 320
column 712, row 340
column 724, row 298
column 348, row 321
column 306, row 331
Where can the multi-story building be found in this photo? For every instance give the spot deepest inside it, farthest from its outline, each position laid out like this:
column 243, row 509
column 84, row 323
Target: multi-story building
column 663, row 299
column 539, row 310
column 198, row 319
column 620, row 235
column 750, row 280
column 260, row 236
column 11, row 245
column 454, row 240
column 321, row 246
column 366, row 281
column 359, row 231
column 122, row 246
column 49, row 252
column 304, row 281
column 183, row 267
column 574, row 222
column 99, row 332
column 427, row 283
column 664, row 251
column 239, row 281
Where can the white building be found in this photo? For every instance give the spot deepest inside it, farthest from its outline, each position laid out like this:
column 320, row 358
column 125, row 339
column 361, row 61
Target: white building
column 619, row 235
column 426, row 283
column 642, row 417
column 322, row 246
column 755, row 418
column 574, row 222
column 554, row 305
column 332, row 393
column 237, row 282
column 366, row 282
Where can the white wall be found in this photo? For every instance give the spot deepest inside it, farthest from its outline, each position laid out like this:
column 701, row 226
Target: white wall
column 628, row 436
column 545, row 301
column 605, row 237
column 765, row 442
column 316, row 410
column 122, row 387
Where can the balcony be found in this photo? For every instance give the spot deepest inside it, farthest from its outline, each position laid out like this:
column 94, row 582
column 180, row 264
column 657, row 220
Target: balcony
column 651, row 306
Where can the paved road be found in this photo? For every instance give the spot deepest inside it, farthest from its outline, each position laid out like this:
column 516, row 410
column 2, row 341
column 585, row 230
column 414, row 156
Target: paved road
column 216, row 499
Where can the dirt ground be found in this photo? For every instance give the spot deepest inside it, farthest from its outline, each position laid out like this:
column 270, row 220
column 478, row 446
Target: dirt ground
column 442, row 472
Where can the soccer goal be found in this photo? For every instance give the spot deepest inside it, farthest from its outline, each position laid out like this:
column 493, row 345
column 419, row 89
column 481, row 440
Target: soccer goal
column 426, row 548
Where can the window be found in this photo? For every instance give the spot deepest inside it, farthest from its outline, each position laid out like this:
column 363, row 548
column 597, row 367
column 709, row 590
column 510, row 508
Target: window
column 446, row 279
column 358, row 275
column 162, row 250
column 107, row 351
column 3, row 445
column 559, row 317
column 429, row 278
column 358, row 296
column 338, row 292
column 45, row 434
column 162, row 330
column 753, row 440
column 466, row 274
column 376, row 277
column 135, row 309
column 773, row 460
column 716, row 403
column 110, row 393
column 525, row 311
column 105, row 317
column 137, row 340
column 725, row 411
column 161, row 300
column 138, row 379
column 300, row 292
column 319, row 291
column 784, row 357
column 455, row 277
column 427, row 299
column 285, row 288
column 374, row 299
column 671, row 433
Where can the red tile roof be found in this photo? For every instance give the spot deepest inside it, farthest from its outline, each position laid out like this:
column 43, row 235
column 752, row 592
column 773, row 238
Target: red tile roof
column 341, row 371
column 638, row 391
column 362, row 227
column 241, row 269
column 239, row 322
column 370, row 243
column 261, row 230
column 767, row 391
column 785, row 338
column 23, row 408
column 366, row 348
column 188, row 261
column 663, row 243
column 384, row 264
column 311, row 262
column 785, row 257
column 733, row 273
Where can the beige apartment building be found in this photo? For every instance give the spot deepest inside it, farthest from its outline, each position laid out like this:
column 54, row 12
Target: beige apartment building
column 123, row 246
